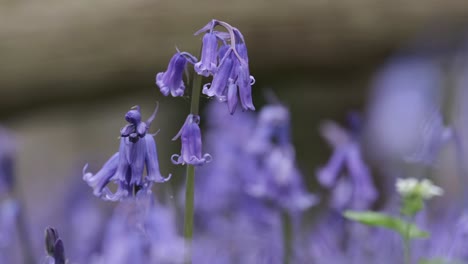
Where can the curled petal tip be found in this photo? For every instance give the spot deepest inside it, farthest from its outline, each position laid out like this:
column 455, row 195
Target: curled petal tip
column 153, row 115
column 207, row 157
column 85, row 168
column 176, row 159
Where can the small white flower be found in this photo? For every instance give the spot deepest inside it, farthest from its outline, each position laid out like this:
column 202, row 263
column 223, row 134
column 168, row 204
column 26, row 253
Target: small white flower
column 406, row 186
column 424, row 188
column 429, row 190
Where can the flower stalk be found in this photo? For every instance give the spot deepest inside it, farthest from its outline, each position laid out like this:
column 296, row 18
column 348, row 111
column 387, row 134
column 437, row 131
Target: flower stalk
column 190, row 184
column 287, row 237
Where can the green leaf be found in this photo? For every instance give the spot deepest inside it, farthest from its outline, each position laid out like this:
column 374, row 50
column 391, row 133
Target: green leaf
column 406, row 230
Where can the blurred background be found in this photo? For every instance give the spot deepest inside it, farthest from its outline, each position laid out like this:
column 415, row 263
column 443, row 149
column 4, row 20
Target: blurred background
column 69, row 71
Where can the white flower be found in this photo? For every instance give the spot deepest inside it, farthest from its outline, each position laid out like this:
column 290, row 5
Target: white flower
column 424, row 188
column 429, row 190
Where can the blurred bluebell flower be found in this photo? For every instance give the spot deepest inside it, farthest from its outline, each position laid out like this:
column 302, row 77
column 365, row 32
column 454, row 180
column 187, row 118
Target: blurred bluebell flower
column 142, row 231
column 190, row 135
column 7, row 153
column 357, row 190
column 126, row 167
column 272, row 130
column 239, row 239
column 277, row 178
column 404, row 120
column 209, row 56
column 234, row 132
column 232, row 80
column 9, row 216
column 434, row 135
column 171, row 81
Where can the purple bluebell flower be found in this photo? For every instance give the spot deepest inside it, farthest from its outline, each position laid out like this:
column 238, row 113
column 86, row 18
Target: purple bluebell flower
column 278, row 180
column 54, row 246
column 190, row 135
column 126, row 167
column 209, row 56
column 9, row 216
column 171, row 81
column 142, row 231
column 356, row 191
column 234, row 132
column 232, row 81
column 219, row 84
column 404, row 123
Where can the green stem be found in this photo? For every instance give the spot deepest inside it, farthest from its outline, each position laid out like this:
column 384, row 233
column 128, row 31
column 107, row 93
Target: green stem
column 287, row 237
column 190, row 184
column 407, row 250
column 407, row 242
column 196, row 89
column 188, row 221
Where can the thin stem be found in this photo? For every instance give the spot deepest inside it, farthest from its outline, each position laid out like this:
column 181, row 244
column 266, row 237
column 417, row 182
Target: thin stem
column 190, row 184
column 188, row 221
column 196, row 88
column 407, row 242
column 287, row 237
column 407, row 250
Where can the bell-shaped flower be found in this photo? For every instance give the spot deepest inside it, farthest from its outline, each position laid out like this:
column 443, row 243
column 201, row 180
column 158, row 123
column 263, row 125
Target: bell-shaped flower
column 54, row 246
column 190, row 135
column 244, row 80
column 357, row 191
column 126, row 167
column 217, row 87
column 277, row 180
column 232, row 81
column 209, row 56
column 171, row 81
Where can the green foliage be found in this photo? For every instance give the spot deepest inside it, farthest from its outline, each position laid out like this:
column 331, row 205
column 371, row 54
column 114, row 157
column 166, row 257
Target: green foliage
column 404, row 228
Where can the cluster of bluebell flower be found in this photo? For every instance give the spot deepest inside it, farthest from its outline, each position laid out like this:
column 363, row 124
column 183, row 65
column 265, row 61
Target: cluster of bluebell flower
column 251, row 203
column 223, row 56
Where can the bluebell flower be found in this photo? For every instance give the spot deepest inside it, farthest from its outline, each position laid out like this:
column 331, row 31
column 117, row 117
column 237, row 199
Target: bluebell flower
column 404, row 121
column 190, row 135
column 356, row 191
column 142, row 231
column 126, row 167
column 277, row 180
column 9, row 217
column 232, row 81
column 171, row 81
column 218, row 86
column 209, row 55
column 54, row 246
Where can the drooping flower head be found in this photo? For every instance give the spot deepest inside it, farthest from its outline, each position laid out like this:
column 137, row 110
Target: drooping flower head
column 208, row 63
column 190, row 135
column 357, row 190
column 231, row 76
column 171, row 81
column 126, row 167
